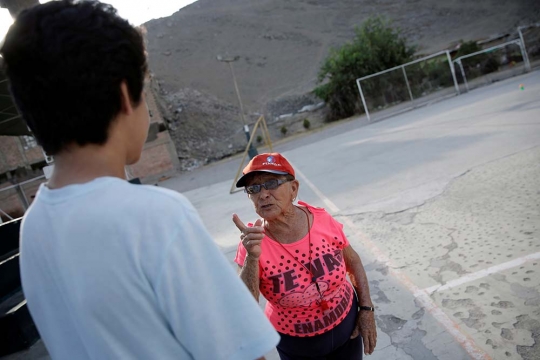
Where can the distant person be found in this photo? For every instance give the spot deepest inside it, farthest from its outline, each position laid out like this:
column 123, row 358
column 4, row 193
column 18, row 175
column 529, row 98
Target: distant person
column 298, row 257
column 113, row 270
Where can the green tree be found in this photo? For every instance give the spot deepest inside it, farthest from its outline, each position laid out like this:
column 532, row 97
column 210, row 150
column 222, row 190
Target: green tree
column 376, row 46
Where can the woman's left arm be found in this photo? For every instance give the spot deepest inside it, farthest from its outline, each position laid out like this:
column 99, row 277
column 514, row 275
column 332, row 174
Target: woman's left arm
column 365, row 324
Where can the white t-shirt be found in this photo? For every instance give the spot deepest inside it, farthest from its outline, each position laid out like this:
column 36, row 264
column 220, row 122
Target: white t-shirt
column 113, row 270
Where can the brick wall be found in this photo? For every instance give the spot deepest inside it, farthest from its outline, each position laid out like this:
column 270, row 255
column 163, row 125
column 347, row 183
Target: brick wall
column 13, row 155
column 159, row 157
column 34, row 155
column 156, row 160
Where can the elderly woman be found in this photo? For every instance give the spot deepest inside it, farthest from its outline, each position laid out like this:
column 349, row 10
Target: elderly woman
column 298, row 257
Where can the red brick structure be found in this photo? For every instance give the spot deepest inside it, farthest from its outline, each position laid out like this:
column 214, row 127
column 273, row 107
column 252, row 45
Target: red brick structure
column 159, row 156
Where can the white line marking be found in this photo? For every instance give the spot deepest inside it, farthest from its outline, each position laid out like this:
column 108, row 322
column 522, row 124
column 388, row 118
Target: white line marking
column 329, row 204
column 483, row 273
column 422, row 296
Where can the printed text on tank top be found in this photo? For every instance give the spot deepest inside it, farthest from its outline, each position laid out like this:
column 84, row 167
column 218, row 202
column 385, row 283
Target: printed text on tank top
column 321, row 302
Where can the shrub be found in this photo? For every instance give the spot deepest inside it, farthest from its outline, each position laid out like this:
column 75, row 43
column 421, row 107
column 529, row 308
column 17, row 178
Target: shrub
column 284, row 130
column 259, row 139
column 306, row 124
column 376, row 46
column 473, row 65
column 490, row 65
column 466, row 48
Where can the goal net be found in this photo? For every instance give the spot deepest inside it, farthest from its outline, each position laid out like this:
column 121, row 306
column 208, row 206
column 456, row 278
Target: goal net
column 407, row 86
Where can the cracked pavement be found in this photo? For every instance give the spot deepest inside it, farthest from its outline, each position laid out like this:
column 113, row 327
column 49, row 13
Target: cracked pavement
column 443, row 205
column 439, row 194
column 475, row 224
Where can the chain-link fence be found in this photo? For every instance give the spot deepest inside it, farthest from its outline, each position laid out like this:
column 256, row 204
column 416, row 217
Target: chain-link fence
column 16, row 198
column 407, row 86
column 437, row 76
column 492, row 64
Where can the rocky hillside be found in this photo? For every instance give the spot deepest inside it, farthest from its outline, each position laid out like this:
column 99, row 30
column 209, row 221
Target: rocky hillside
column 281, row 44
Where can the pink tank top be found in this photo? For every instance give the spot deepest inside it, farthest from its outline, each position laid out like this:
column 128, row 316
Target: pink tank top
column 293, row 305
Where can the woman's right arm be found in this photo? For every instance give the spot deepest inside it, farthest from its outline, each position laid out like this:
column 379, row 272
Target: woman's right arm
column 251, row 237
column 249, row 273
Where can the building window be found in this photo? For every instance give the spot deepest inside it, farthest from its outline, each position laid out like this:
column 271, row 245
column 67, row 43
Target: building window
column 29, row 142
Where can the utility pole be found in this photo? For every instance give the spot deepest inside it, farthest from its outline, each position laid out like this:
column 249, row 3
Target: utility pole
column 252, row 151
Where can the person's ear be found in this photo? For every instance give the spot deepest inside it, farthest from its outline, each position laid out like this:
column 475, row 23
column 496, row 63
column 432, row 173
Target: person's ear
column 126, row 104
column 295, row 187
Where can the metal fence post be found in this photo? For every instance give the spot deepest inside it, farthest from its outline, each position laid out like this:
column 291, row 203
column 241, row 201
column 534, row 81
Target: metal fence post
column 453, row 70
column 463, row 74
column 20, row 191
column 407, row 82
column 5, row 214
column 23, row 197
column 524, row 51
column 363, row 100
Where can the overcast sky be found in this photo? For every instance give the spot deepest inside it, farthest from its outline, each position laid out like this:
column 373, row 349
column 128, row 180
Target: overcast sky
column 137, row 12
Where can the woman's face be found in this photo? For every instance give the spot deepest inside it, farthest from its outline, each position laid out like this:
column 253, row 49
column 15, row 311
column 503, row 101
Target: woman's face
column 270, row 204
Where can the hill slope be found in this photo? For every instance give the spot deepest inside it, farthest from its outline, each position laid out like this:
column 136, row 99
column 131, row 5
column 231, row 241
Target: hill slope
column 282, row 43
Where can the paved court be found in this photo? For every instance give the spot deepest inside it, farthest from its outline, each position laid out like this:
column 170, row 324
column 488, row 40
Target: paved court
column 443, row 204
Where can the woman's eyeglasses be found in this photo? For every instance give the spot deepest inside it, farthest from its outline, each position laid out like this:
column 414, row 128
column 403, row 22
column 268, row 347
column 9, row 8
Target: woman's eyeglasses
column 269, row 185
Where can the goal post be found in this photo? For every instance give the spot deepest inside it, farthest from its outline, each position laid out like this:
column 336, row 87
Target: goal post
column 493, row 64
column 409, row 85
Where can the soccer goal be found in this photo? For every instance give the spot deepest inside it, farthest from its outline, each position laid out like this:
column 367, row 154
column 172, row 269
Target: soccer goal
column 492, row 64
column 530, row 38
column 408, row 86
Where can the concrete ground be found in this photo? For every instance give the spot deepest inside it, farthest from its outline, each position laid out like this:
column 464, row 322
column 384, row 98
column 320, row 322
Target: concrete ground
column 443, row 205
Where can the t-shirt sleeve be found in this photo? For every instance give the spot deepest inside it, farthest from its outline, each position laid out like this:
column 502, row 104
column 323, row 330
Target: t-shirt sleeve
column 328, row 221
column 209, row 309
column 343, row 241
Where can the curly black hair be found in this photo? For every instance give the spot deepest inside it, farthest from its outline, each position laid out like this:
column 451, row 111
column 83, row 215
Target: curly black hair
column 65, row 61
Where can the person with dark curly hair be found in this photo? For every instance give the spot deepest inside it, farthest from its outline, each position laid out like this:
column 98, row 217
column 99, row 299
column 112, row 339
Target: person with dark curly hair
column 113, row 270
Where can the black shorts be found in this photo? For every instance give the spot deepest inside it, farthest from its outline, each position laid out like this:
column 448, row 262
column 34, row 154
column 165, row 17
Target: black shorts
column 332, row 345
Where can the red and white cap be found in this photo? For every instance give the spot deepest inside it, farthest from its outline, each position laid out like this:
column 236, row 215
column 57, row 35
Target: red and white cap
column 274, row 163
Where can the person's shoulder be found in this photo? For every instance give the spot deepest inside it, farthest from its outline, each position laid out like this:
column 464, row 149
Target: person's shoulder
column 33, row 214
column 322, row 217
column 155, row 195
column 313, row 209
column 157, row 207
column 156, row 191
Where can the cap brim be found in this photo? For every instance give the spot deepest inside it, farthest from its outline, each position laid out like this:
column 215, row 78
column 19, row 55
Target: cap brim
column 241, row 182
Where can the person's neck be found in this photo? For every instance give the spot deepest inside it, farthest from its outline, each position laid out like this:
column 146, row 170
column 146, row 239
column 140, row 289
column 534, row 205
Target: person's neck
column 81, row 164
column 288, row 226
